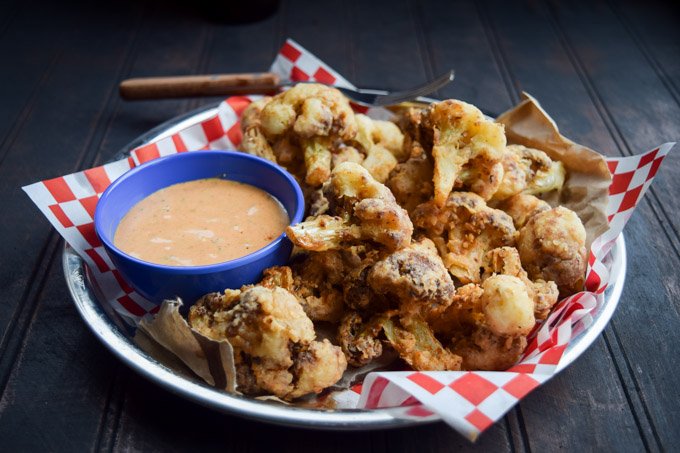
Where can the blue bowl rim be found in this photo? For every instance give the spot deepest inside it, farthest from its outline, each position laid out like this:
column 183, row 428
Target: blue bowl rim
column 209, row 268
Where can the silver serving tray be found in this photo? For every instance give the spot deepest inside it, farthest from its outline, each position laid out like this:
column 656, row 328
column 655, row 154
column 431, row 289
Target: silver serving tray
column 112, row 331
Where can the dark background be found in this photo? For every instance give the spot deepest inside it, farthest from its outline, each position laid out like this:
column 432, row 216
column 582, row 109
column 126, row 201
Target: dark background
column 609, row 73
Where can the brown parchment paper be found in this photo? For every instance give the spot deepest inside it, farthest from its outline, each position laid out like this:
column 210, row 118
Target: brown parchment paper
column 211, row 360
column 585, row 192
column 586, row 189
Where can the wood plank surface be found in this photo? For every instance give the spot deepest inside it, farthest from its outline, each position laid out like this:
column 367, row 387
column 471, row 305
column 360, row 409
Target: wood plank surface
column 608, row 72
column 563, row 68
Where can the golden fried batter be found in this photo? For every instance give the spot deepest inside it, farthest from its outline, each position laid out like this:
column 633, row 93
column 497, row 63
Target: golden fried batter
column 464, row 312
column 460, row 133
column 542, row 173
column 409, row 120
column 411, row 182
column 254, row 142
column 505, row 260
column 464, row 230
column 310, row 110
column 317, row 283
column 364, row 210
column 315, row 117
column 514, row 179
column 383, row 145
column 379, row 162
column 347, row 154
column 318, row 158
column 522, row 207
column 358, row 340
column 488, row 323
column 323, row 232
column 507, row 306
column 416, row 276
column 530, row 171
column 482, row 350
column 552, row 247
column 273, row 340
column 481, row 175
column 358, row 294
column 416, row 344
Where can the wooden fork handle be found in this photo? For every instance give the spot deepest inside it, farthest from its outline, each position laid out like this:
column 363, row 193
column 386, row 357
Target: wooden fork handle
column 199, row 85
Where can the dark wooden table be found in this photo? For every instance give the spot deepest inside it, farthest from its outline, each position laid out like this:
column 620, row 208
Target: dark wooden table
column 608, row 73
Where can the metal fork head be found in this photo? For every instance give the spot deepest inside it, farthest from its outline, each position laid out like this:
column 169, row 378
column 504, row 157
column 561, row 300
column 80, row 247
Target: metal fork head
column 381, row 98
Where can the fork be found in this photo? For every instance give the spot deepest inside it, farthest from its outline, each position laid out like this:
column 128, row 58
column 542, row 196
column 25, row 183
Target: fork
column 261, row 83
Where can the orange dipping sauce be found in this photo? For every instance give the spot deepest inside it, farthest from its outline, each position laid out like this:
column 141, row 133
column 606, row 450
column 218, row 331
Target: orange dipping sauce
column 195, row 223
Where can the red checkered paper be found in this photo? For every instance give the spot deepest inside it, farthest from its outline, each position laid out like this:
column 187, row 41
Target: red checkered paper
column 468, row 401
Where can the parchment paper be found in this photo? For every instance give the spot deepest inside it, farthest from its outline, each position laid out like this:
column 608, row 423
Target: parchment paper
column 586, row 189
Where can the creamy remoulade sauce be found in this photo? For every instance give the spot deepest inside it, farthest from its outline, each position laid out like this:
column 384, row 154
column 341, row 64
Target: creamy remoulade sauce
column 201, row 222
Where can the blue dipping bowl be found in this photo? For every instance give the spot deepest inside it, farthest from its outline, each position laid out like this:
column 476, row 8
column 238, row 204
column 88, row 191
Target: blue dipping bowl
column 157, row 282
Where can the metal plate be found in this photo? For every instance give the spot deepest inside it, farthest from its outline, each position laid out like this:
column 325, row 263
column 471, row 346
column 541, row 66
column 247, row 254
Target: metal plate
column 116, row 336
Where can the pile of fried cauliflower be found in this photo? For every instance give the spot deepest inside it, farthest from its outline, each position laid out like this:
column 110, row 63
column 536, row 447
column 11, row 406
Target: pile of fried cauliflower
column 424, row 236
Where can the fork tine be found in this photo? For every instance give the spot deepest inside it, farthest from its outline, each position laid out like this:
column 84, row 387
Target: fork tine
column 422, row 90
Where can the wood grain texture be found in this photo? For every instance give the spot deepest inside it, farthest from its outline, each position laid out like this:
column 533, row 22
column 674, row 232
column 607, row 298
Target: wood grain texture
column 53, row 139
column 168, row 87
column 548, row 62
column 457, row 38
column 607, row 71
column 387, row 52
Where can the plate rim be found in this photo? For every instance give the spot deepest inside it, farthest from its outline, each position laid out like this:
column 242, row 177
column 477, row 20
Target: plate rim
column 110, row 331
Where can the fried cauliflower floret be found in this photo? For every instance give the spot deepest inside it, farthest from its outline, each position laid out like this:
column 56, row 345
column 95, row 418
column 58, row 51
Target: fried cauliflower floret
column 318, row 157
column 379, row 162
column 416, row 137
column 542, row 173
column 316, row 283
column 317, row 367
column 288, row 154
column 488, row 323
column 481, row 175
column 363, row 209
column 254, row 141
column 199, row 317
column 514, row 179
column 310, row 110
column 505, row 260
column 323, row 232
column 507, row 307
column 347, row 154
column 552, row 247
column 530, row 171
column 464, row 230
column 383, row 145
column 388, row 135
column 277, row 277
column 411, row 182
column 273, row 340
column 484, row 350
column 316, row 116
column 522, row 207
column 416, row 344
column 465, row 310
column 359, row 341
column 358, row 294
column 461, row 133
column 416, row 276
